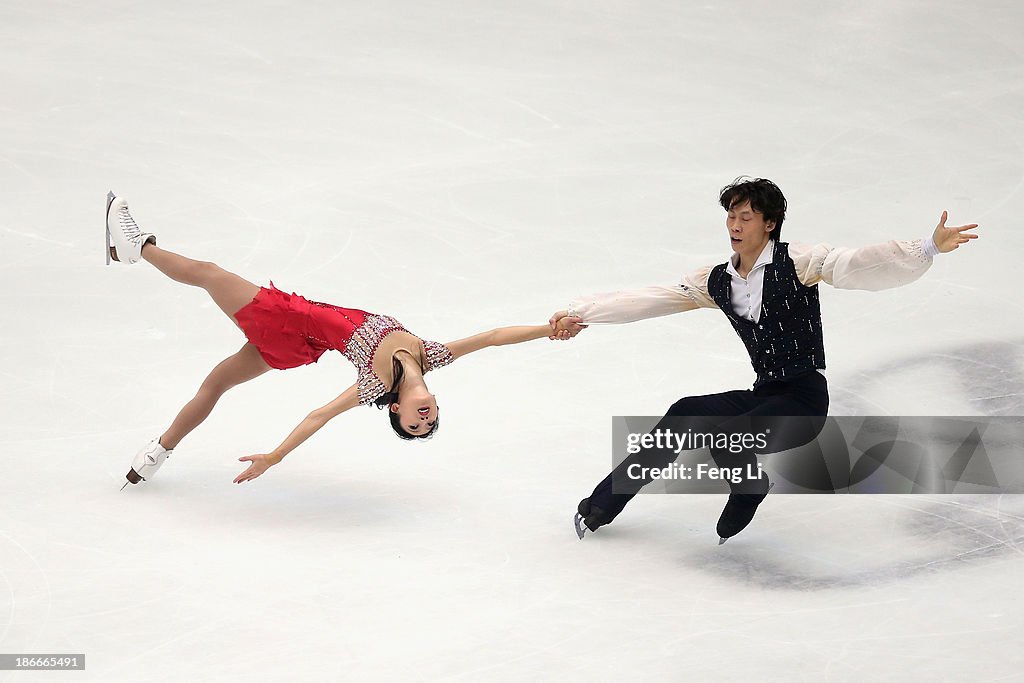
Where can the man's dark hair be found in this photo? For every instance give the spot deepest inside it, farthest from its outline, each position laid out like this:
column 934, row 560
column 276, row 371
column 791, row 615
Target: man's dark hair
column 764, row 196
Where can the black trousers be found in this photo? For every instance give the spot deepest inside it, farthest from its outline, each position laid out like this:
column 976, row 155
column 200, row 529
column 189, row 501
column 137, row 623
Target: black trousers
column 742, row 411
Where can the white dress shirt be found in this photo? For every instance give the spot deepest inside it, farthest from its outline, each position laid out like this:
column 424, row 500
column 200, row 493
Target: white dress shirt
column 875, row 267
column 746, row 292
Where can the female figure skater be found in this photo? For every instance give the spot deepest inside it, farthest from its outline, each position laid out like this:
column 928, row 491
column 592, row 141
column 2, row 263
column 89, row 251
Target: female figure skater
column 286, row 331
column 768, row 291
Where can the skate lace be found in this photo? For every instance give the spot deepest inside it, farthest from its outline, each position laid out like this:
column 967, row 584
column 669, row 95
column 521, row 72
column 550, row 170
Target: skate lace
column 128, row 226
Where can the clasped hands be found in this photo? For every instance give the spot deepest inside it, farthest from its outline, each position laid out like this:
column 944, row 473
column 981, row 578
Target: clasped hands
column 565, row 326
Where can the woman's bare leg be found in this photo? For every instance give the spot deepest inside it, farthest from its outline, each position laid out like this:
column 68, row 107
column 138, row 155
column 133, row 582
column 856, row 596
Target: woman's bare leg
column 243, row 366
column 229, row 291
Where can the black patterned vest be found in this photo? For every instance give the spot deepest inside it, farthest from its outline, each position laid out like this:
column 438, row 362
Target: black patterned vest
column 786, row 340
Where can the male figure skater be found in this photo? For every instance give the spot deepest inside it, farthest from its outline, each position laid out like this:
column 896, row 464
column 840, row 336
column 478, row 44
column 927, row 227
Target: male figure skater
column 768, row 290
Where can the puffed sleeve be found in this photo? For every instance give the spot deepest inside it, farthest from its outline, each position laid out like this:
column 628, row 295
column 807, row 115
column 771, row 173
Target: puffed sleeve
column 438, row 355
column 626, row 306
column 878, row 266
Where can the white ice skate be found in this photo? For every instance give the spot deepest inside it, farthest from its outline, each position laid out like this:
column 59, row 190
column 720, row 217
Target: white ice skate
column 126, row 236
column 147, row 462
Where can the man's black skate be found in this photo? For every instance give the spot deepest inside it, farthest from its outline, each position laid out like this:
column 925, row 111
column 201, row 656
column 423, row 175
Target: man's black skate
column 589, row 517
column 738, row 513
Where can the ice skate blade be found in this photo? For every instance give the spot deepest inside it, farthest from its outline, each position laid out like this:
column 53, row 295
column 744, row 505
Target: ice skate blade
column 581, row 528
column 722, row 540
column 110, row 253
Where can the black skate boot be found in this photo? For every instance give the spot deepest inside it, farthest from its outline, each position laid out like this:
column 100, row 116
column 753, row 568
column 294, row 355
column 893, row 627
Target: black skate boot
column 589, row 517
column 738, row 513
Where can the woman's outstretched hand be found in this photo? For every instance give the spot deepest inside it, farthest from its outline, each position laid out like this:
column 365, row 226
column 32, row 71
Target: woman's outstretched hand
column 565, row 326
column 258, row 464
column 948, row 239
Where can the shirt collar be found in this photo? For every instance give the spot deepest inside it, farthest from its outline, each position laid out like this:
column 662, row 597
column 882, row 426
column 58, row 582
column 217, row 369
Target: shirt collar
column 767, row 254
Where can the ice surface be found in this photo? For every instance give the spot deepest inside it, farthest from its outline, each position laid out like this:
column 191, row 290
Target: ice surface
column 461, row 166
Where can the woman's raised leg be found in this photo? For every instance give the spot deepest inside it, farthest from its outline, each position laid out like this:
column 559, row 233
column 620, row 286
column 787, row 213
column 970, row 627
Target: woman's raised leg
column 229, row 291
column 241, row 367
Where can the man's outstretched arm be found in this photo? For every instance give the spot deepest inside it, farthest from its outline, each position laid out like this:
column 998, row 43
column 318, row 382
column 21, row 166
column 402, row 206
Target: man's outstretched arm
column 878, row 266
column 626, row 306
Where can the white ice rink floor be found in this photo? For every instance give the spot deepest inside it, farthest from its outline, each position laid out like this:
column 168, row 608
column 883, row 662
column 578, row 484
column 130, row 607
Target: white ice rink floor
column 466, row 165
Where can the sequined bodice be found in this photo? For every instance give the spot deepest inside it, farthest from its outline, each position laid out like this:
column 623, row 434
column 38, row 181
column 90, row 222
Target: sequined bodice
column 357, row 334
column 361, row 348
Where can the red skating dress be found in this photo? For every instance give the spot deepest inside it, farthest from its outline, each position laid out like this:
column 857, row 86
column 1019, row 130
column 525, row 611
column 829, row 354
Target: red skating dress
column 289, row 331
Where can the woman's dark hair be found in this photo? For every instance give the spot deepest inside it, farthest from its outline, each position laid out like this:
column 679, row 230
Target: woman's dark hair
column 764, row 196
column 396, row 424
column 390, row 397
